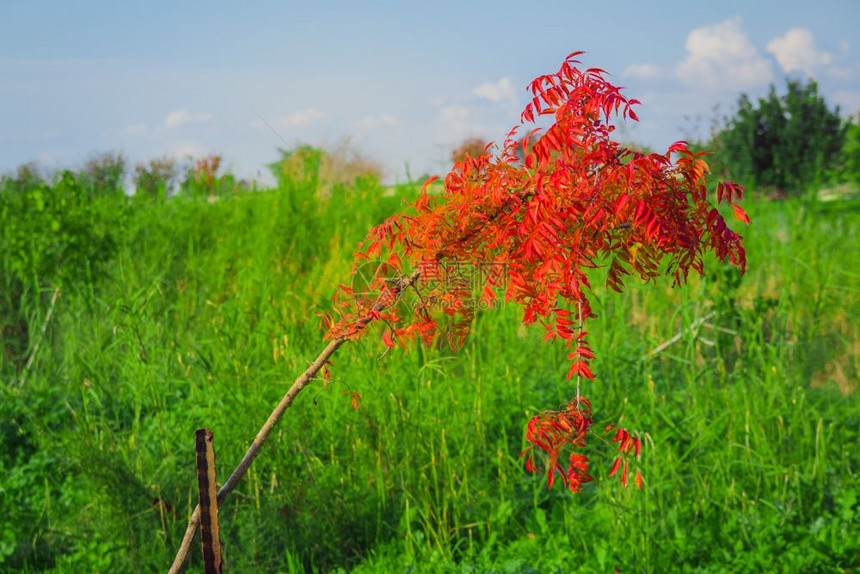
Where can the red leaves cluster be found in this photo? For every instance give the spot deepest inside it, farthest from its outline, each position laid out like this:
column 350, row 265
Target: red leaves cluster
column 578, row 201
column 556, row 431
column 627, row 445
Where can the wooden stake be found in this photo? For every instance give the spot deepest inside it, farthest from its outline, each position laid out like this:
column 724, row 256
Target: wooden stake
column 208, row 498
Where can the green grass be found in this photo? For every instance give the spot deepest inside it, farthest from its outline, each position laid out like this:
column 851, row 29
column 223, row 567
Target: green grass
column 205, row 312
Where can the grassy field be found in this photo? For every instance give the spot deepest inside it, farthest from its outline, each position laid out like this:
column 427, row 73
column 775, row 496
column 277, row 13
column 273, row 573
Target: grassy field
column 194, row 313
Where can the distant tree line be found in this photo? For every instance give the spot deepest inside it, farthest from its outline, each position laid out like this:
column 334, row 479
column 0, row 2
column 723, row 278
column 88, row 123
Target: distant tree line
column 783, row 144
column 60, row 230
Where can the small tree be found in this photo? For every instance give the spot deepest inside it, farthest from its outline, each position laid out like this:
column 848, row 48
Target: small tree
column 103, row 174
column 787, row 142
column 324, row 169
column 578, row 201
column 156, row 178
column 27, row 176
column 471, row 147
column 201, row 178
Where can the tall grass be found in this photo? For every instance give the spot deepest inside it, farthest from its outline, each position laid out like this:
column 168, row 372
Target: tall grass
column 207, row 309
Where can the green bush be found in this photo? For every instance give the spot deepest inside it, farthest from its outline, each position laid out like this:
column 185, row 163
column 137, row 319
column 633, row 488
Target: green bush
column 52, row 236
column 157, row 178
column 103, row 174
column 787, row 142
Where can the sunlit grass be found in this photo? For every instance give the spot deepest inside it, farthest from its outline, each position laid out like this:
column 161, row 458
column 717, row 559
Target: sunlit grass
column 208, row 311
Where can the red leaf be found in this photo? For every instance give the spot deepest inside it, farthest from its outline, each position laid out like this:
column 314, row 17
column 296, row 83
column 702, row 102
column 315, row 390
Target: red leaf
column 427, row 183
column 680, row 146
column 585, row 371
column 530, row 161
column 386, row 338
column 615, row 467
column 625, row 442
column 638, row 479
column 620, row 203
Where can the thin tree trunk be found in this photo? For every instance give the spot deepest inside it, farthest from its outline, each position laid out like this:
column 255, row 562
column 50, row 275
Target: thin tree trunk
column 286, row 401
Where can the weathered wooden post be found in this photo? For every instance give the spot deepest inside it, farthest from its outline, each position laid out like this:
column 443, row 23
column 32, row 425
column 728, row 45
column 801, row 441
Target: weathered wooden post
column 208, row 499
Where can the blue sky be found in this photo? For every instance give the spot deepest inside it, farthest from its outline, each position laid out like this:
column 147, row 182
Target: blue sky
column 404, row 80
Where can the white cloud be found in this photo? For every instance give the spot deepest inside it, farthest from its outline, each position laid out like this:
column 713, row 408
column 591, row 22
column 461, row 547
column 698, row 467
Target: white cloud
column 721, row 58
column 134, row 130
column 849, row 101
column 795, row 52
column 496, row 91
column 368, row 123
column 455, row 122
column 179, row 117
column 182, row 150
column 454, row 114
column 841, row 73
column 644, row 71
column 300, row 119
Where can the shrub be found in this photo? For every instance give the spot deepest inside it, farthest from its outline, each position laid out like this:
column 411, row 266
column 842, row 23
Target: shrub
column 66, row 239
column 103, row 174
column 471, row 147
column 323, row 169
column 786, row 142
column 156, row 178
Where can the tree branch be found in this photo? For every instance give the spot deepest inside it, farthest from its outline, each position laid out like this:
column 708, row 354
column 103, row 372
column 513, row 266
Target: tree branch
column 42, row 332
column 300, row 383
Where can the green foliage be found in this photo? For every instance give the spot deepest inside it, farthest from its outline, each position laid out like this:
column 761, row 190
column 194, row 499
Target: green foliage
column 325, row 169
column 851, row 153
column 26, row 177
column 156, row 178
column 298, row 166
column 103, row 174
column 202, row 179
column 787, row 142
column 51, row 236
column 202, row 313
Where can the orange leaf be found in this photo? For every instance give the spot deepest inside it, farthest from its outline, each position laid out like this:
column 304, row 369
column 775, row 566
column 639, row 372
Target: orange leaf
column 355, row 398
column 740, row 213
